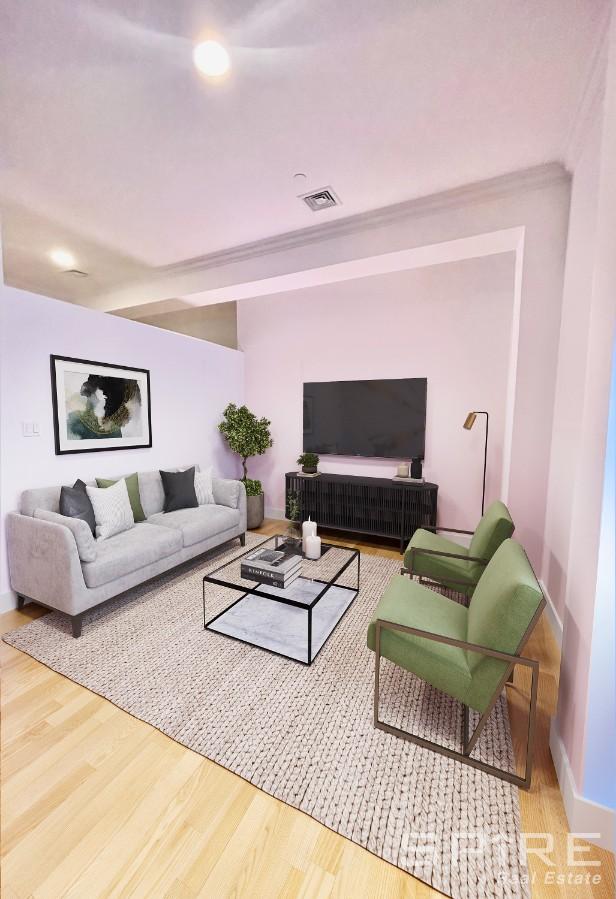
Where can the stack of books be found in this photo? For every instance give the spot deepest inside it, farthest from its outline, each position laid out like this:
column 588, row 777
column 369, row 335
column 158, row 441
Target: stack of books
column 276, row 567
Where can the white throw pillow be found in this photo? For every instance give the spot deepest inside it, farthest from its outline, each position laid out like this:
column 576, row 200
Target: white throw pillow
column 112, row 509
column 203, row 486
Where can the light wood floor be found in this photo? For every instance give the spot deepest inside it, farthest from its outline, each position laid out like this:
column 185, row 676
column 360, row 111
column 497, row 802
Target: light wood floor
column 98, row 804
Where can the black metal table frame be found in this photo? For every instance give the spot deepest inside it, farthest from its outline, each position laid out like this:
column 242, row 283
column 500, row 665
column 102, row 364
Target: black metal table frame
column 254, row 591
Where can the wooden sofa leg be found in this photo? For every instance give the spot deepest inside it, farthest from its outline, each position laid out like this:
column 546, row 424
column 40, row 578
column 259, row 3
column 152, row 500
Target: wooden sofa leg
column 76, row 621
column 243, row 539
column 21, row 601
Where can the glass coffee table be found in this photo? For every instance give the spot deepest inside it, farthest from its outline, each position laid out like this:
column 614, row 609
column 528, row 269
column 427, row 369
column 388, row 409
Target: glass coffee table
column 294, row 622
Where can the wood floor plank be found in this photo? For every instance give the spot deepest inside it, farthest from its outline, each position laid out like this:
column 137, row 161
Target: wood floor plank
column 98, row 804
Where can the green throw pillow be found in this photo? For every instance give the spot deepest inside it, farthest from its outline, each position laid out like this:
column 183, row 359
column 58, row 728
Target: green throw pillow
column 132, row 485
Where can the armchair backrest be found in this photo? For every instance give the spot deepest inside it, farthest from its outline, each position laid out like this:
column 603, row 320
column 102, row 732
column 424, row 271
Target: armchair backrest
column 495, row 526
column 504, row 602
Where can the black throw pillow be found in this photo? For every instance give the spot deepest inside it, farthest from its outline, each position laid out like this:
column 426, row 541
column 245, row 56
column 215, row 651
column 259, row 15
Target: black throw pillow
column 179, row 487
column 75, row 503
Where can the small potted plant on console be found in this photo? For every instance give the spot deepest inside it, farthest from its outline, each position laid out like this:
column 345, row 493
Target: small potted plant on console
column 309, row 462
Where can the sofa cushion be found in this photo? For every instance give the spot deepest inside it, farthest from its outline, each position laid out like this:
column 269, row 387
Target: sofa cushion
column 124, row 553
column 40, row 498
column 179, row 487
column 132, row 485
column 112, row 509
column 199, row 523
column 75, row 503
column 226, row 492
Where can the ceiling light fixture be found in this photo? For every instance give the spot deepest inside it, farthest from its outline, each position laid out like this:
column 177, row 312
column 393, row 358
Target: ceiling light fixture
column 211, row 59
column 62, row 258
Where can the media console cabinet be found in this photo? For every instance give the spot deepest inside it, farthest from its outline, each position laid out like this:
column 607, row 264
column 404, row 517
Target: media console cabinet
column 376, row 506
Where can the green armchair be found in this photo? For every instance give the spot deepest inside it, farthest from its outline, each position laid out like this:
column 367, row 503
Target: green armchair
column 466, row 652
column 439, row 560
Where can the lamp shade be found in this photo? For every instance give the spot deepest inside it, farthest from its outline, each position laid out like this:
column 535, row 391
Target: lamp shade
column 470, row 420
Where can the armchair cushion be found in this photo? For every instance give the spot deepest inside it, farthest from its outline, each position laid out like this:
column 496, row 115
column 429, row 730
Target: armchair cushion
column 409, row 603
column 495, row 526
column 503, row 606
column 441, row 568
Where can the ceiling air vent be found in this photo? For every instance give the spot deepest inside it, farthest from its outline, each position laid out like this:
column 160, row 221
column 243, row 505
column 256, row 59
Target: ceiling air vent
column 320, row 199
column 75, row 273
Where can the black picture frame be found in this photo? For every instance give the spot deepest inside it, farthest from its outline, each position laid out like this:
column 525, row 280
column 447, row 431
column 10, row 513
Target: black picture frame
column 105, row 448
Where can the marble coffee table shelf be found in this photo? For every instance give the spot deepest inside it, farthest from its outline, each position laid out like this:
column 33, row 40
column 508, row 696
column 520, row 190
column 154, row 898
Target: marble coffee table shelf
column 295, row 622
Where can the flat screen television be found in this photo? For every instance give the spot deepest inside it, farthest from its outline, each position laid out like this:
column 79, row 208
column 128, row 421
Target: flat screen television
column 385, row 419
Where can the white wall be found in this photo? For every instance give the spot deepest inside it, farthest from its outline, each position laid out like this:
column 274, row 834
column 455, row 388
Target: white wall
column 572, row 352
column 573, row 533
column 450, row 323
column 191, row 381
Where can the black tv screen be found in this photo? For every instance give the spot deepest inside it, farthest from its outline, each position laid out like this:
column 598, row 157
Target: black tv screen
column 384, row 419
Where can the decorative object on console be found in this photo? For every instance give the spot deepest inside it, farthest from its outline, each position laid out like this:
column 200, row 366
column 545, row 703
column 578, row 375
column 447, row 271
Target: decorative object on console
column 417, row 468
column 313, row 547
column 75, row 503
column 309, row 529
column 309, row 462
column 132, row 485
column 468, row 424
column 112, row 509
column 403, row 470
column 179, row 488
column 247, row 436
column 293, row 534
column 98, row 406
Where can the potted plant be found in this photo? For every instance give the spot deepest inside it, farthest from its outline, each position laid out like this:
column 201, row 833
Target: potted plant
column 248, row 436
column 293, row 534
column 309, row 462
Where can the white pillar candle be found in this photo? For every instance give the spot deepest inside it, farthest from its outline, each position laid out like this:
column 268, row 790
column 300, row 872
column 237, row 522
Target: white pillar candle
column 309, row 529
column 313, row 547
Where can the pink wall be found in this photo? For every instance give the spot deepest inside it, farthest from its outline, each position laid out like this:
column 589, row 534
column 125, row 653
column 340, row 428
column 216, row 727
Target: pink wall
column 449, row 323
column 191, row 382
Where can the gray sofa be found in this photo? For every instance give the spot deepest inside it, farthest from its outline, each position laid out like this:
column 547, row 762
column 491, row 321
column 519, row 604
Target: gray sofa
column 44, row 558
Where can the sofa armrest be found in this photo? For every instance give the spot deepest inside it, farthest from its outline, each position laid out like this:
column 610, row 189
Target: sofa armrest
column 232, row 493
column 44, row 563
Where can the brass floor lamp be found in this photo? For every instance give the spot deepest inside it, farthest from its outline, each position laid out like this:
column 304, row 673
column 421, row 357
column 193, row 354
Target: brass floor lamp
column 468, row 424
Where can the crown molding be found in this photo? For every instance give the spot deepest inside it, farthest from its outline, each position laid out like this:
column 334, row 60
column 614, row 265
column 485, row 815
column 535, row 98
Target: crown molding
column 514, row 182
column 590, row 98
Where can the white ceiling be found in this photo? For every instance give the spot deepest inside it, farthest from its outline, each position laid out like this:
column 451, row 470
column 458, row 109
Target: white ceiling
column 115, row 147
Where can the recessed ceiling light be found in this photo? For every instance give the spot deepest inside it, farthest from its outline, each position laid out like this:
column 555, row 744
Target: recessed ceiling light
column 62, row 258
column 299, row 177
column 211, row 59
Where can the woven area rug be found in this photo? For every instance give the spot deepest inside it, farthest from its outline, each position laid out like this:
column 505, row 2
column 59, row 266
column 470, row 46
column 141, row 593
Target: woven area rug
column 305, row 734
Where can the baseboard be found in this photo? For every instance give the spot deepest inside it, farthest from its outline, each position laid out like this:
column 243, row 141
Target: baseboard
column 271, row 512
column 556, row 625
column 8, row 601
column 584, row 815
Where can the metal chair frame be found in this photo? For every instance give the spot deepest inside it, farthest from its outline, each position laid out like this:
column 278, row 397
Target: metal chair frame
column 468, row 744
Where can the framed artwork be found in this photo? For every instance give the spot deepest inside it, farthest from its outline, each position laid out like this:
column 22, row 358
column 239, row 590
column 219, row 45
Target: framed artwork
column 98, row 406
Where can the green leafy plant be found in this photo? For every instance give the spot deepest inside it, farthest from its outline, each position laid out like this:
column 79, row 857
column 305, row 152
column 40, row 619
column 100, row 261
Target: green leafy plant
column 309, row 460
column 253, row 487
column 246, row 434
column 293, row 506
